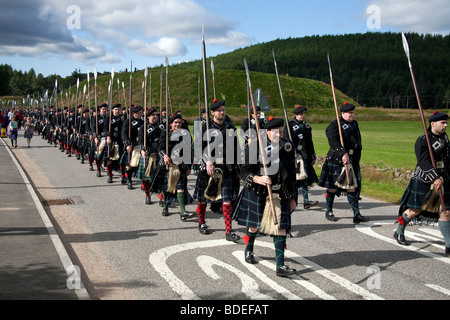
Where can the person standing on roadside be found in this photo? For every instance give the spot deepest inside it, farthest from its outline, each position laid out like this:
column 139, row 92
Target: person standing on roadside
column 29, row 130
column 13, row 125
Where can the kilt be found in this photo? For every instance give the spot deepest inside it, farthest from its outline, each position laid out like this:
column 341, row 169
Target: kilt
column 142, row 167
column 182, row 182
column 332, row 170
column 251, row 209
column 230, row 187
column 414, row 197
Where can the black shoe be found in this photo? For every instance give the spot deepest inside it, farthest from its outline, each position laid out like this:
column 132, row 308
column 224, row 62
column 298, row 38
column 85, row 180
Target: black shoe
column 148, row 200
column 124, row 181
column 99, row 174
column 359, row 218
column 69, row 155
column 187, row 215
column 161, row 203
column 165, row 212
column 310, row 204
column 249, row 257
column 203, row 229
column 91, row 168
column 285, row 271
column 130, row 185
column 110, row 179
column 82, row 160
column 232, row 236
column 330, row 216
column 78, row 157
column 401, row 239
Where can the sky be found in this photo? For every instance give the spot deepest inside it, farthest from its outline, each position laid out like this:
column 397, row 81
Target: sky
column 60, row 36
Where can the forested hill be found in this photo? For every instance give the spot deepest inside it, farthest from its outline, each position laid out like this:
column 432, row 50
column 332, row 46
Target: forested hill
column 372, row 68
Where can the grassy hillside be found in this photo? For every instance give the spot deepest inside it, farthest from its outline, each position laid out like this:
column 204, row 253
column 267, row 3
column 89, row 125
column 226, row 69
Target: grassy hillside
column 230, row 85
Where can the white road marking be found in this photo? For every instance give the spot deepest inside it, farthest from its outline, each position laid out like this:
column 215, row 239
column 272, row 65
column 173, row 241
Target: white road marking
column 249, row 286
column 439, row 288
column 158, row 260
column 264, row 278
column 366, row 228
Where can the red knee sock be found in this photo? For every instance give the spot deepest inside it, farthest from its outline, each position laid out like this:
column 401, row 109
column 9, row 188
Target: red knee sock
column 201, row 209
column 227, row 210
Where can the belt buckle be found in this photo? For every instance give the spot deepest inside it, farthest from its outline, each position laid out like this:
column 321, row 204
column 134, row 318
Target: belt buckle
column 440, row 165
column 276, row 187
column 350, row 152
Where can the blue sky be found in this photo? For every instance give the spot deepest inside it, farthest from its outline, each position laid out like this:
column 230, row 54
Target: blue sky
column 58, row 36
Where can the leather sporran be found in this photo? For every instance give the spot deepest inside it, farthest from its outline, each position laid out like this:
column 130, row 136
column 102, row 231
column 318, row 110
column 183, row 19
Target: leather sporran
column 213, row 191
column 432, row 202
column 267, row 225
column 301, row 172
column 174, row 176
column 135, row 156
column 114, row 152
column 342, row 182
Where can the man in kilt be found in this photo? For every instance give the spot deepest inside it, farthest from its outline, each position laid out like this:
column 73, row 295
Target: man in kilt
column 114, row 142
column 148, row 141
column 84, row 130
column 70, row 132
column 130, row 133
column 255, row 208
column 173, row 172
column 306, row 155
column 99, row 136
column 61, row 131
column 339, row 156
column 223, row 162
column 426, row 182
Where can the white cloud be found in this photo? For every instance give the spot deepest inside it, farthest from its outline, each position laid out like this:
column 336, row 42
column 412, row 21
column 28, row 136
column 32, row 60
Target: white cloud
column 152, row 28
column 430, row 16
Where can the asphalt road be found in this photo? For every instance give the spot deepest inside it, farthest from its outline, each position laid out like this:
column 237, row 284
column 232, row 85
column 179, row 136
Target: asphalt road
column 123, row 249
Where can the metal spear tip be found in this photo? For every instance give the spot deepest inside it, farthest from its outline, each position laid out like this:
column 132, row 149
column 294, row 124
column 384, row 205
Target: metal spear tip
column 112, row 73
column 95, row 73
column 406, row 48
column 146, row 72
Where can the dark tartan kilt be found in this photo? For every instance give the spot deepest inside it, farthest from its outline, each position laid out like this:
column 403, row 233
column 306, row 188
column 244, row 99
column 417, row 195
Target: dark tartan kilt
column 143, row 163
column 251, row 211
column 330, row 173
column 230, row 187
column 415, row 196
column 182, row 182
